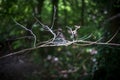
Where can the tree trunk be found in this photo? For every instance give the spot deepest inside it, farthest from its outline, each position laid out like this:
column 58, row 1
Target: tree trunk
column 38, row 9
column 82, row 12
column 65, row 13
column 54, row 11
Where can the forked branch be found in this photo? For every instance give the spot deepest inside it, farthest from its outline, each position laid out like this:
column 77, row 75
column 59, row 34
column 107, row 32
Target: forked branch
column 50, row 43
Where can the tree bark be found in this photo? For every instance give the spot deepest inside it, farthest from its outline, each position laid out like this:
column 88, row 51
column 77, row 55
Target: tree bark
column 55, row 4
column 65, row 13
column 38, row 9
column 82, row 12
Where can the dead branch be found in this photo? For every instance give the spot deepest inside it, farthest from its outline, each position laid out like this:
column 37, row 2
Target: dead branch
column 27, row 30
column 50, row 43
column 113, row 36
column 73, row 32
column 48, row 29
column 111, row 18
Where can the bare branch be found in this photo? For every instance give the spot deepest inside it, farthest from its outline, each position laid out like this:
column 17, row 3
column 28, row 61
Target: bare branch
column 97, row 43
column 29, row 37
column 87, row 44
column 27, row 30
column 84, row 38
column 73, row 32
column 111, row 18
column 40, row 43
column 39, row 22
column 49, row 29
column 19, row 38
column 50, row 43
column 113, row 36
column 66, row 44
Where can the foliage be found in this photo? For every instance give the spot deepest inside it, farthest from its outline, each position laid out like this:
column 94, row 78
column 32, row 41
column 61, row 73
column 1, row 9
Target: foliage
column 72, row 62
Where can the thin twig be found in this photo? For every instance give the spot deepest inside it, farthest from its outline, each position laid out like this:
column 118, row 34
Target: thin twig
column 86, row 37
column 111, row 18
column 27, row 30
column 29, row 37
column 66, row 44
column 97, row 43
column 19, row 38
column 39, row 22
column 113, row 36
column 73, row 32
column 87, row 44
column 49, row 29
column 44, row 42
column 50, row 43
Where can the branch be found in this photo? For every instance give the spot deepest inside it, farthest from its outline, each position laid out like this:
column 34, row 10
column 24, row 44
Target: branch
column 97, row 43
column 50, row 43
column 113, row 36
column 88, row 43
column 111, row 18
column 73, row 32
column 48, row 29
column 27, row 30
column 66, row 44
column 29, row 37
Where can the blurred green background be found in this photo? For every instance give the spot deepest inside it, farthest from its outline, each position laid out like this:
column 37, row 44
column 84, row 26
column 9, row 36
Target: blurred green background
column 98, row 18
